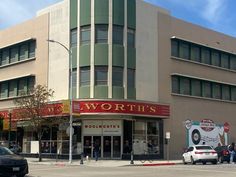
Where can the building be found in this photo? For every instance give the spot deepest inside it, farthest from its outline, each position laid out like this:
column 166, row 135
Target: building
column 145, row 81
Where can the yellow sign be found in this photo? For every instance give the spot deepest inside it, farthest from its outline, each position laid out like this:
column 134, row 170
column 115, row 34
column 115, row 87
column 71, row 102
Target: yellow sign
column 5, row 124
column 66, row 107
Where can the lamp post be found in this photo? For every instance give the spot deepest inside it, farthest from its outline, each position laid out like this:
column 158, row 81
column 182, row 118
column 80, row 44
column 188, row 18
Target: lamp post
column 9, row 131
column 71, row 117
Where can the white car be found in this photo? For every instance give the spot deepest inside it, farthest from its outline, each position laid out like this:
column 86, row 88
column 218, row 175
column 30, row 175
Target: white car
column 200, row 153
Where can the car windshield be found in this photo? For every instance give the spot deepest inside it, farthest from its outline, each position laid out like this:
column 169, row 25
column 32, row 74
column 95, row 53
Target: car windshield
column 5, row 151
column 203, row 147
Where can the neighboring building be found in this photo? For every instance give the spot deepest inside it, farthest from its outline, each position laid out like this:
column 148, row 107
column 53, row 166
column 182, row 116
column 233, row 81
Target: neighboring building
column 139, row 76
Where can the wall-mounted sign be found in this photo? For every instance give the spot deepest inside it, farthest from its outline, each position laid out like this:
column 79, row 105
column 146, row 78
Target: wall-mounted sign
column 102, row 127
column 207, row 132
column 188, row 124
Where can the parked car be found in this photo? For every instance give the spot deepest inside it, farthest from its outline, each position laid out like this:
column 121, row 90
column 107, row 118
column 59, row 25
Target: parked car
column 200, row 153
column 12, row 164
column 223, row 154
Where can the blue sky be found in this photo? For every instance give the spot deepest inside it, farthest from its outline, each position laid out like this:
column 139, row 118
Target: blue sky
column 218, row 15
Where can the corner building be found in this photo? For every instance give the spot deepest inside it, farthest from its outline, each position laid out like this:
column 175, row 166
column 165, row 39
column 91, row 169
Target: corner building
column 139, row 76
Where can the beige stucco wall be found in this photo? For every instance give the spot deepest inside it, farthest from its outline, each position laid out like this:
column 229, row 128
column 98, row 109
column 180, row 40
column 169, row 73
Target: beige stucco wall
column 36, row 28
column 182, row 107
column 58, row 77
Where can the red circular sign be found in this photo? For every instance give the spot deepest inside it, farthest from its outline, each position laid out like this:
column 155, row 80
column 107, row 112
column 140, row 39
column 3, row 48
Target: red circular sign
column 226, row 127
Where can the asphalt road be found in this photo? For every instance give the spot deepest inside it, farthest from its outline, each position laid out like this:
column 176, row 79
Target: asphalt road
column 227, row 170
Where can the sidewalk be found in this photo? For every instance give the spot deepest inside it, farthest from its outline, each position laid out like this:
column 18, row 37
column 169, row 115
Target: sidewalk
column 102, row 163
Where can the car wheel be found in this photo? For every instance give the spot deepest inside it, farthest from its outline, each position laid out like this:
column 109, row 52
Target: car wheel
column 21, row 175
column 184, row 162
column 192, row 161
column 214, row 162
column 204, row 163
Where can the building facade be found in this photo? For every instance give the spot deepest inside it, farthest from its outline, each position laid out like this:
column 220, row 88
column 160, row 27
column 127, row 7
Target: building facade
column 145, row 82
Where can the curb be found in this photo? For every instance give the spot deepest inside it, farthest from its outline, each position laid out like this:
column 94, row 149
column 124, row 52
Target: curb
column 154, row 164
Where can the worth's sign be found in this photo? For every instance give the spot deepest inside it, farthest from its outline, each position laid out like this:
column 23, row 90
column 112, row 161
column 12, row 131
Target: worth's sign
column 121, row 107
column 87, row 107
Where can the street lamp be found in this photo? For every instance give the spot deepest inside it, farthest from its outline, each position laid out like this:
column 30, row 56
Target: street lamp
column 71, row 117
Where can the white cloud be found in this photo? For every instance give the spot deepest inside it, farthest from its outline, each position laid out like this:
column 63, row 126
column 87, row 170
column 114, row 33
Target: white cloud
column 214, row 10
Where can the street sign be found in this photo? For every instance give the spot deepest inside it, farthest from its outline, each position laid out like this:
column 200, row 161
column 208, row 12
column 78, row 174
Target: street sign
column 68, row 131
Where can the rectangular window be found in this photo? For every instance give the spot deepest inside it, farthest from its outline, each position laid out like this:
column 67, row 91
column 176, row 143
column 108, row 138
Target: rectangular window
column 4, row 90
column 22, row 87
column 233, row 62
column 174, row 48
column 13, row 54
column 184, row 86
column 206, row 89
column 73, row 38
column 184, row 50
column 101, row 75
column 85, row 35
column 117, row 34
column 131, row 38
column 233, row 93
column 5, row 57
column 31, row 83
column 13, row 88
column 101, row 33
column 225, row 92
column 215, row 58
column 23, row 52
column 225, row 60
column 117, row 76
column 84, row 76
column 205, row 56
column 175, row 84
column 195, row 53
column 196, row 89
column 32, row 47
column 216, row 91
column 131, row 78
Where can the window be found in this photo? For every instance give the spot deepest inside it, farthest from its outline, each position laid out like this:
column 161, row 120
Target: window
column 175, row 84
column 184, row 86
column 131, row 78
column 206, row 89
column 23, row 51
column 3, row 90
column 233, row 62
column 22, row 88
column 101, row 75
column 196, row 89
column 131, row 38
column 31, row 82
column 101, row 33
column 117, row 76
column 73, row 38
column 195, row 53
column 184, row 50
column 5, row 57
column 85, row 35
column 215, row 58
column 13, row 54
column 117, row 35
column 174, row 48
column 233, row 93
column 84, row 76
column 12, row 88
column 206, row 56
column 32, row 46
column 225, row 92
column 74, row 77
column 224, row 60
column 216, row 91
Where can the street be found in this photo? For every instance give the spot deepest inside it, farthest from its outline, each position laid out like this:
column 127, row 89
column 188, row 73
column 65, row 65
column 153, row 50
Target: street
column 228, row 170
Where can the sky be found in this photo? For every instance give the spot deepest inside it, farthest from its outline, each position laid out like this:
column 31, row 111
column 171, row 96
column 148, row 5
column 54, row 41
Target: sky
column 218, row 15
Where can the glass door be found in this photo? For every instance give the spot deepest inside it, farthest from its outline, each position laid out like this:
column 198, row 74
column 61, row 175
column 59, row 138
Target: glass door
column 87, row 146
column 116, row 146
column 97, row 142
column 107, row 146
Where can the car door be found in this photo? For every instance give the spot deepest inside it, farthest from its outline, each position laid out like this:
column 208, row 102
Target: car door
column 188, row 154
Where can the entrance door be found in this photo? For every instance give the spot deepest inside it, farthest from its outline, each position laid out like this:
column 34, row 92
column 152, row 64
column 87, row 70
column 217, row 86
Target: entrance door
column 116, row 146
column 97, row 141
column 87, row 146
column 107, row 146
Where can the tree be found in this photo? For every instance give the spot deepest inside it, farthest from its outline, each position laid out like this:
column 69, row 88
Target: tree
column 31, row 106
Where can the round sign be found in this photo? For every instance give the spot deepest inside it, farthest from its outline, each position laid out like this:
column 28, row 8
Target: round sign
column 226, row 127
column 196, row 136
column 188, row 124
column 68, row 131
